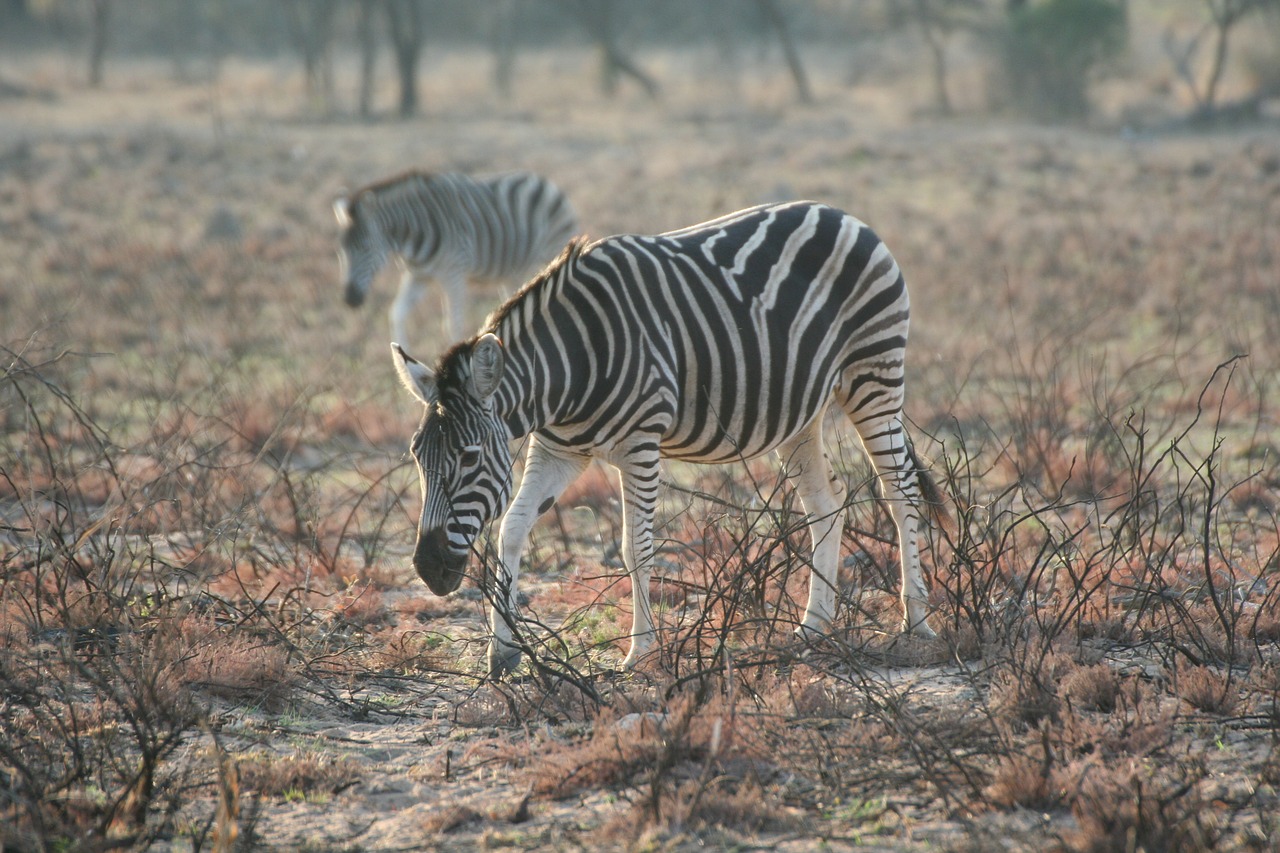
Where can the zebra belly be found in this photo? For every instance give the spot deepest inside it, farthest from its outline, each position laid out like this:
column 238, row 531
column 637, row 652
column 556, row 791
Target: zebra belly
column 734, row 442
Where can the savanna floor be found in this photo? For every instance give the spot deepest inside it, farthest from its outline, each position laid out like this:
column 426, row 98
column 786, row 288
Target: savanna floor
column 210, row 633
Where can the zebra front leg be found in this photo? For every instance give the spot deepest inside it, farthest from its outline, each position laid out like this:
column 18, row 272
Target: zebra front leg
column 546, row 474
column 638, row 468
column 454, row 286
column 411, row 291
column 821, row 493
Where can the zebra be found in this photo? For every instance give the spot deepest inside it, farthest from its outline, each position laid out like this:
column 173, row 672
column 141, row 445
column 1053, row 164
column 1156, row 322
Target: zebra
column 451, row 227
column 719, row 342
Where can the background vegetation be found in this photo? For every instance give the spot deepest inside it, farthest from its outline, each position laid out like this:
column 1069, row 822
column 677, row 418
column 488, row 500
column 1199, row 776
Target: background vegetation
column 210, row 636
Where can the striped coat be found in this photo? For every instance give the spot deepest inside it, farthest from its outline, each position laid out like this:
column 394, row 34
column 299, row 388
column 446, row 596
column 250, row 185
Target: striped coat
column 714, row 343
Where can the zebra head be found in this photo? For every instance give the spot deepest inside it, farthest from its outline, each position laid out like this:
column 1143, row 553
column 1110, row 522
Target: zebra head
column 461, row 450
column 362, row 248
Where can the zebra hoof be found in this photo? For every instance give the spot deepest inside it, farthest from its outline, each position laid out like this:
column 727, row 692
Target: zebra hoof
column 641, row 647
column 810, row 633
column 920, row 629
column 503, row 660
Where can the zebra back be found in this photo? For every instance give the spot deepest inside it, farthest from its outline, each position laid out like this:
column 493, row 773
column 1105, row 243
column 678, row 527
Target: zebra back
column 488, row 228
column 726, row 338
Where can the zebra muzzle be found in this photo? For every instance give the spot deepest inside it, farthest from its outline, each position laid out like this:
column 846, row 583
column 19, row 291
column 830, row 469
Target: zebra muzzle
column 354, row 295
column 439, row 567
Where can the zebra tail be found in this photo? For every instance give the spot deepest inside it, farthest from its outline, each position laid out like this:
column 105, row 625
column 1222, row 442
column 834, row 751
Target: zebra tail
column 935, row 502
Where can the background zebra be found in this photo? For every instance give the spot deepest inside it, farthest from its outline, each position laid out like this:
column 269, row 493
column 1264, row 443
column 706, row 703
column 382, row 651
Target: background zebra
column 715, row 343
column 452, row 228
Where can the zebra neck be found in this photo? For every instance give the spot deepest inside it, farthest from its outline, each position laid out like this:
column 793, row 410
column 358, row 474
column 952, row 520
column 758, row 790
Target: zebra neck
column 532, row 382
column 412, row 241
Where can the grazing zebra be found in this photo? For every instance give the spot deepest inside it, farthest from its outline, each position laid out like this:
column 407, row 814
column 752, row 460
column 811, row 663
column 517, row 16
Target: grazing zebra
column 715, row 343
column 453, row 228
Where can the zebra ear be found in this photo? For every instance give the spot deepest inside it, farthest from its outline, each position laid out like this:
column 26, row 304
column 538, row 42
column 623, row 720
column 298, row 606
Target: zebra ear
column 487, row 359
column 342, row 210
column 415, row 375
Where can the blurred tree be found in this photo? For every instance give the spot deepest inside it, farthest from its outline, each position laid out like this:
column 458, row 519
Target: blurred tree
column 502, row 40
column 404, row 18
column 98, row 40
column 1224, row 15
column 11, row 10
column 778, row 23
column 937, row 20
column 368, row 54
column 599, row 19
column 1051, row 50
column 311, row 28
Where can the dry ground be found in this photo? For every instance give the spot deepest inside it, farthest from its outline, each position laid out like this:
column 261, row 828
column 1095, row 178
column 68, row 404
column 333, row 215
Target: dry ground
column 205, row 510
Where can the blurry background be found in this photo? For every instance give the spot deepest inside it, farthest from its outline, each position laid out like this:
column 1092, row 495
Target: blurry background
column 1113, row 60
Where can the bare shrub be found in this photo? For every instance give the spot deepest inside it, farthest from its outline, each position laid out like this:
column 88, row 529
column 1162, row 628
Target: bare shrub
column 1131, row 808
column 231, row 665
column 1024, row 699
column 1092, row 688
column 402, row 651
column 699, row 807
column 91, row 701
column 1265, row 627
column 654, row 754
column 1207, row 690
column 1142, row 723
column 1033, row 777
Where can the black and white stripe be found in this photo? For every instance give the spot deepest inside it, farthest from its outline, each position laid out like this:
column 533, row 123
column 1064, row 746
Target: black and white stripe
column 719, row 342
column 453, row 228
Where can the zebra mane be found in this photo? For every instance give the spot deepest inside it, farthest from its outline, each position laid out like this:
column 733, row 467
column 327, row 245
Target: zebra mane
column 574, row 249
column 452, row 368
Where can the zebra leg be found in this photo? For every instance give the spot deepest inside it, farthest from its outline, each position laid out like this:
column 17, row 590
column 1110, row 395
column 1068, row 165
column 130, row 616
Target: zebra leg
column 454, row 286
column 546, row 474
column 411, row 291
column 822, row 494
column 638, row 467
column 884, row 438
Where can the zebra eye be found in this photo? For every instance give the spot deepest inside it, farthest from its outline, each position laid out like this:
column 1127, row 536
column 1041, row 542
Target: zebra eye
column 470, row 457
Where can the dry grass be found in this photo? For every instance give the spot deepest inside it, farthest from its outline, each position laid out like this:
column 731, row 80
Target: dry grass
column 296, row 775
column 205, row 509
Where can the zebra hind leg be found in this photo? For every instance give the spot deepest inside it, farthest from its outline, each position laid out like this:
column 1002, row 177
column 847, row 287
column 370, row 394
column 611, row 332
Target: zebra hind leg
column 637, row 465
column 887, row 445
column 822, row 494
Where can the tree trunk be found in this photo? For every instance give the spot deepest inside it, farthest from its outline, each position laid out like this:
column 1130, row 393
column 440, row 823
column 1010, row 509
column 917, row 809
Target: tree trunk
column 311, row 25
column 597, row 17
column 933, row 37
column 778, row 22
column 404, row 17
column 502, row 38
column 98, row 41
column 368, row 56
column 1215, row 69
column 1224, row 18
